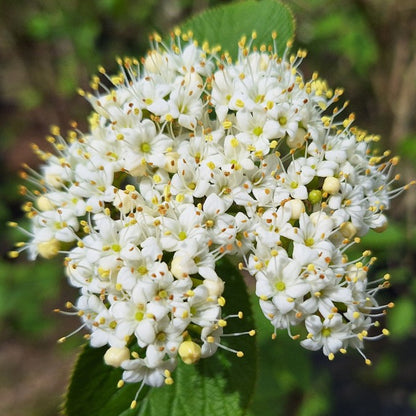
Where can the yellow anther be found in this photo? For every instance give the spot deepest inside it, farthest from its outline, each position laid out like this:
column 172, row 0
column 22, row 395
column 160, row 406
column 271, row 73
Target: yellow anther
column 55, row 130
column 240, row 354
column 221, row 301
column 120, row 384
column 331, row 356
column 258, row 266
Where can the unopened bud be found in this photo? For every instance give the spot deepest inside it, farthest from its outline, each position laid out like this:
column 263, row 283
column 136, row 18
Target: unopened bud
column 115, row 356
column 215, row 287
column 44, row 203
column 315, row 196
column 331, row 185
column 48, row 249
column 297, row 207
column 348, row 230
column 153, row 62
column 183, row 266
column 297, row 140
column 190, row 352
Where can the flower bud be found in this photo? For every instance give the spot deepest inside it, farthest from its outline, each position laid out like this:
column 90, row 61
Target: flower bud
column 297, row 207
column 380, row 224
column 190, row 352
column 348, row 230
column 297, row 140
column 315, row 196
column 215, row 287
column 153, row 62
column 331, row 185
column 48, row 249
column 183, row 266
column 44, row 203
column 115, row 356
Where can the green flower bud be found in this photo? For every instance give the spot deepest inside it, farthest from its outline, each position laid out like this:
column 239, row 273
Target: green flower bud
column 315, row 196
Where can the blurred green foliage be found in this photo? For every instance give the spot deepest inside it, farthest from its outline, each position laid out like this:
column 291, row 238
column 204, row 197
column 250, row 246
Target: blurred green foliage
column 24, row 295
column 287, row 383
column 340, row 33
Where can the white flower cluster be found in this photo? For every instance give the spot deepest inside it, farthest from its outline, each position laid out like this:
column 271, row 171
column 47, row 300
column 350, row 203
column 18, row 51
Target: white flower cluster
column 191, row 157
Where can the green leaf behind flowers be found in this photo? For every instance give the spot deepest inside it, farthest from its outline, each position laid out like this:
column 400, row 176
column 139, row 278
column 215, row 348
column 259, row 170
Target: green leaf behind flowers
column 225, row 25
column 221, row 385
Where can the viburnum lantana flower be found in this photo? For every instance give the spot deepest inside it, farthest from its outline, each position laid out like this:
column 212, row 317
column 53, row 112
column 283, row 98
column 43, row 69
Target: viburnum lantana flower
column 190, row 157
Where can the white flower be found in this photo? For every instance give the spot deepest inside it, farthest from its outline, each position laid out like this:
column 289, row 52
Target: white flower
column 293, row 182
column 274, row 224
column 330, row 335
column 144, row 145
column 140, row 369
column 281, row 283
column 313, row 234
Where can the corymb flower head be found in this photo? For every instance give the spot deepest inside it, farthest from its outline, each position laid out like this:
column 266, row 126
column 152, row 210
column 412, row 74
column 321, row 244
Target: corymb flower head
column 190, row 157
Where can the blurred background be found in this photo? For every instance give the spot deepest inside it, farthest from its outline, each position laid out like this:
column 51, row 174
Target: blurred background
column 49, row 48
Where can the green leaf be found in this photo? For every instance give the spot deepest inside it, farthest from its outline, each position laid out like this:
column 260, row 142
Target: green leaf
column 402, row 318
column 225, row 25
column 221, row 385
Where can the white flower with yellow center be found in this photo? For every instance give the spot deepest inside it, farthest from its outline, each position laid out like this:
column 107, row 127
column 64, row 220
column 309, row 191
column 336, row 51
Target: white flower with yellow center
column 331, row 334
column 281, row 284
